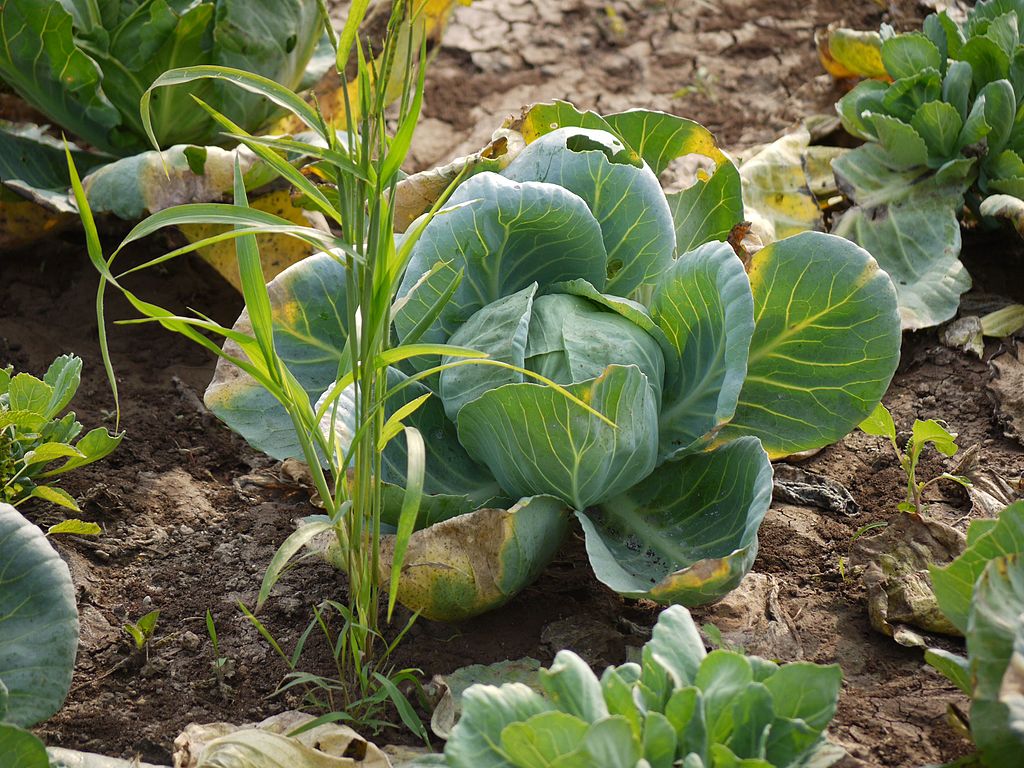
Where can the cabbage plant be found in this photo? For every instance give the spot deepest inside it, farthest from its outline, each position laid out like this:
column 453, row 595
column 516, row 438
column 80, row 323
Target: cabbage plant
column 85, row 64
column 982, row 594
column 943, row 127
column 638, row 373
column 679, row 706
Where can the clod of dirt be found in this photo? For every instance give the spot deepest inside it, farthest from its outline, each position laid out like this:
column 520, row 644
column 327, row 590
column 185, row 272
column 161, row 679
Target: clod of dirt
column 753, row 618
column 1007, row 390
column 597, row 642
column 805, row 488
column 899, row 587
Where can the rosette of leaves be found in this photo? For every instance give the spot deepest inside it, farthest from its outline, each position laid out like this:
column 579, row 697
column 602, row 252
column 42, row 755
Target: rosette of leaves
column 37, row 441
column 678, row 706
column 637, row 374
column 85, row 64
column 982, row 595
column 942, row 128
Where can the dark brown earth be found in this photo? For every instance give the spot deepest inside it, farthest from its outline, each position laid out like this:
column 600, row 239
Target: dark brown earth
column 191, row 515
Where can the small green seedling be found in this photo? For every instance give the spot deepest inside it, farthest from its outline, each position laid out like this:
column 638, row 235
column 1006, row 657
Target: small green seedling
column 223, row 667
column 880, row 423
column 715, row 639
column 141, row 631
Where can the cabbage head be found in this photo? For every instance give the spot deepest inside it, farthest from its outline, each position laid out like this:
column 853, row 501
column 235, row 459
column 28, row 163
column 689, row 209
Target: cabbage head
column 570, row 267
column 86, row 63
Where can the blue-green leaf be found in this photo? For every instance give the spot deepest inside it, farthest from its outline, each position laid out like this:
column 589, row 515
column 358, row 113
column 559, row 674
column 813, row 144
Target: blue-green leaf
column 908, row 54
column 688, row 532
column 487, row 710
column 535, row 440
column 825, row 346
column 704, row 306
column 573, row 687
column 502, row 236
column 38, row 622
column 626, row 199
column 500, row 331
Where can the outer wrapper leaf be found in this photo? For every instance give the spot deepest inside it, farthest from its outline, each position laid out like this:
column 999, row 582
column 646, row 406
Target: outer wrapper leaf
column 708, row 209
column 310, row 331
column 464, row 566
column 688, row 532
column 825, row 346
column 38, row 622
column 777, row 197
column 535, row 440
column 919, row 246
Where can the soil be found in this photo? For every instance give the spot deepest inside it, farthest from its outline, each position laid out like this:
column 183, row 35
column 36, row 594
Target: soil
column 191, row 515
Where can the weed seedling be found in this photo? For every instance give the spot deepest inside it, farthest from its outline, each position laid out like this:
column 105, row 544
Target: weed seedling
column 880, row 423
column 222, row 666
column 141, row 631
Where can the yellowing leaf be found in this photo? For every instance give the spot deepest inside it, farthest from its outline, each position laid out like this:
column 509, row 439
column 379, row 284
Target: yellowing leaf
column 850, row 53
column 276, row 251
column 74, row 527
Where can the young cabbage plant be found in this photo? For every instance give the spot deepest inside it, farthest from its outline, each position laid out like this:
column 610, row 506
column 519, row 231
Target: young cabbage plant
column 86, row 65
column 681, row 370
column 678, row 706
column 942, row 127
column 982, row 594
column 880, row 424
column 37, row 443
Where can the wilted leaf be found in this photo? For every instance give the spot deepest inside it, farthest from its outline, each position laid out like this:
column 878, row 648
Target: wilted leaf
column 268, row 745
column 850, row 53
column 1007, row 385
column 777, row 196
column 449, row 707
column 416, row 194
column 472, row 563
column 896, row 563
column 277, row 252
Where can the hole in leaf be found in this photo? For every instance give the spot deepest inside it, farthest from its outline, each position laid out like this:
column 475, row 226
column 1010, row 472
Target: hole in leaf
column 685, row 171
column 616, row 154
